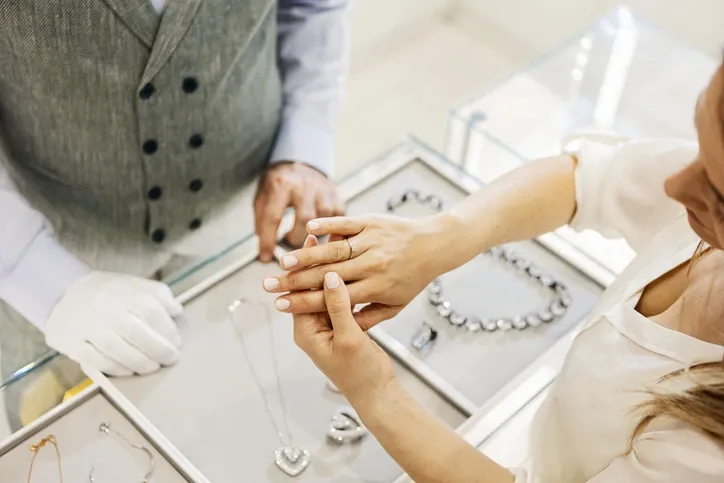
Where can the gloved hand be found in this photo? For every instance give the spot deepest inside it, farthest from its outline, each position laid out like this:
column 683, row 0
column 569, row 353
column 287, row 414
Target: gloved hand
column 119, row 324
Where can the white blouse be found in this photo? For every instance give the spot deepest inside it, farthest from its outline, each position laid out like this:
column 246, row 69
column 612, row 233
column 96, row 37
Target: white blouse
column 582, row 431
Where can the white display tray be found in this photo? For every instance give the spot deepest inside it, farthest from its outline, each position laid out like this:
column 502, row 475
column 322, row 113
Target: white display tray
column 75, row 426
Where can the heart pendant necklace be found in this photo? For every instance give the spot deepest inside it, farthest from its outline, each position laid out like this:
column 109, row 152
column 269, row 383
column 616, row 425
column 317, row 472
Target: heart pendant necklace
column 289, row 458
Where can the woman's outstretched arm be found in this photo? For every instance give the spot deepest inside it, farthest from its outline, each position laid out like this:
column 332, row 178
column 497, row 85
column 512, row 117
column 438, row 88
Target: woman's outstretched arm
column 395, row 258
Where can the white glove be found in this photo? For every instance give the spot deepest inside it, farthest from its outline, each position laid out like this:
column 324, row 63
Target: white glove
column 116, row 323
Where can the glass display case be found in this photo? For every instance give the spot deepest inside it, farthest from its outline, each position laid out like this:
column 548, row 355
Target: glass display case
column 214, row 393
column 225, row 431
column 620, row 76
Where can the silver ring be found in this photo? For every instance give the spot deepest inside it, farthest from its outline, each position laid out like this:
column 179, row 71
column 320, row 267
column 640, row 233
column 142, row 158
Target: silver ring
column 351, row 248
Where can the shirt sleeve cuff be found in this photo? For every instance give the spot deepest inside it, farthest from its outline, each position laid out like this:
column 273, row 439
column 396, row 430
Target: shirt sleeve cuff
column 521, row 476
column 591, row 172
column 40, row 278
column 303, row 142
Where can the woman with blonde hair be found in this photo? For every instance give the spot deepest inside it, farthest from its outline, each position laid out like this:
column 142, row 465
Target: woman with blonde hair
column 641, row 395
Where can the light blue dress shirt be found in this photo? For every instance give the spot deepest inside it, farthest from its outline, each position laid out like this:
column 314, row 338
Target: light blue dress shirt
column 35, row 270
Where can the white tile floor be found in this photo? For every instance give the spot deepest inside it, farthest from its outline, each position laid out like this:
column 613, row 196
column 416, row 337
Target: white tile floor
column 414, row 59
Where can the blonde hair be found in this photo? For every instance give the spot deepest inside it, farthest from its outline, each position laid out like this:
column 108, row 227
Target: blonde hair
column 702, row 405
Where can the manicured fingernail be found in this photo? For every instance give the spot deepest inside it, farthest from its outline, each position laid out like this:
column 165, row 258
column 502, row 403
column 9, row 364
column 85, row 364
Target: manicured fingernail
column 331, row 280
column 265, row 257
column 289, row 261
column 271, row 284
column 282, row 304
column 313, row 226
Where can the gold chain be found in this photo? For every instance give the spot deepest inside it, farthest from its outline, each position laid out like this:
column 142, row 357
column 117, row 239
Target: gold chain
column 35, row 448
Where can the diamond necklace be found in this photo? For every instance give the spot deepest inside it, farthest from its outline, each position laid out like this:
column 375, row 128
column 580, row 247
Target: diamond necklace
column 557, row 306
column 288, row 458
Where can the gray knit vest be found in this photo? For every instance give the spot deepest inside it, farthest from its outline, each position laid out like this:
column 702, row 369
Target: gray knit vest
column 126, row 129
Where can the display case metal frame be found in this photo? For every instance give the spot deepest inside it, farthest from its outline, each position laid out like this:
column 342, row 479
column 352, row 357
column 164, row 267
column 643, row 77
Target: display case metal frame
column 106, row 390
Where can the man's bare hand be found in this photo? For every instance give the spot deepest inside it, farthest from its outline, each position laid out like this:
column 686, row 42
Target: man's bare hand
column 309, row 192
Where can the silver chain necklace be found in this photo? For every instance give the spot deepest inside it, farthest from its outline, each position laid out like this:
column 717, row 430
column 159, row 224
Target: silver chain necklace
column 556, row 307
column 288, row 458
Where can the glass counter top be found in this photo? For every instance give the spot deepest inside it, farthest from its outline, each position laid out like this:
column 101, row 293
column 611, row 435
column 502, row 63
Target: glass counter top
column 621, row 75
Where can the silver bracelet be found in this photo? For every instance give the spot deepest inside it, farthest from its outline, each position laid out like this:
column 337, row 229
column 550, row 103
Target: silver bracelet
column 105, row 429
column 556, row 308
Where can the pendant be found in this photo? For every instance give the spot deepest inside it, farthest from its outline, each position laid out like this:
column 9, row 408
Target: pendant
column 424, row 337
column 292, row 461
column 346, row 426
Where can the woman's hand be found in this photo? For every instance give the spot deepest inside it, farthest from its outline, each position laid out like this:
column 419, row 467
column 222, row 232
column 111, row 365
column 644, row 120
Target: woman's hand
column 342, row 351
column 426, row 448
column 388, row 259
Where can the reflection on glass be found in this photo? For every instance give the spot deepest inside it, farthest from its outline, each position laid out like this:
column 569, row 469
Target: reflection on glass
column 621, row 76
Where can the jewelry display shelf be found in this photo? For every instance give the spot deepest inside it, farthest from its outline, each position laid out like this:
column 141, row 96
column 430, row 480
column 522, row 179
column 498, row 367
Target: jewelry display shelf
column 75, row 426
column 621, row 75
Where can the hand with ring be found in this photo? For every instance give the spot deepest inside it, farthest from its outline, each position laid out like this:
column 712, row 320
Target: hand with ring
column 387, row 261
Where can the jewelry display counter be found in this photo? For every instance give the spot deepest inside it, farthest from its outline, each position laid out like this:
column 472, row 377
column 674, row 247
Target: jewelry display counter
column 209, row 405
column 123, row 453
column 244, row 402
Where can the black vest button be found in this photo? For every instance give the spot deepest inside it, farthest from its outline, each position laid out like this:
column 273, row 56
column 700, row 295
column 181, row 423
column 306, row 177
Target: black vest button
column 158, row 235
column 189, row 84
column 155, row 193
column 196, row 185
column 150, row 146
column 196, row 141
column 146, row 91
column 195, row 224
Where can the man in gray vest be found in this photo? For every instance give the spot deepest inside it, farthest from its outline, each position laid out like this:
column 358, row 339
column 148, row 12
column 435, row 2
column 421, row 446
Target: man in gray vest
column 128, row 129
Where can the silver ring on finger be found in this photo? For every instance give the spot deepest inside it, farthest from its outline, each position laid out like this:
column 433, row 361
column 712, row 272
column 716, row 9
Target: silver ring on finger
column 351, row 248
